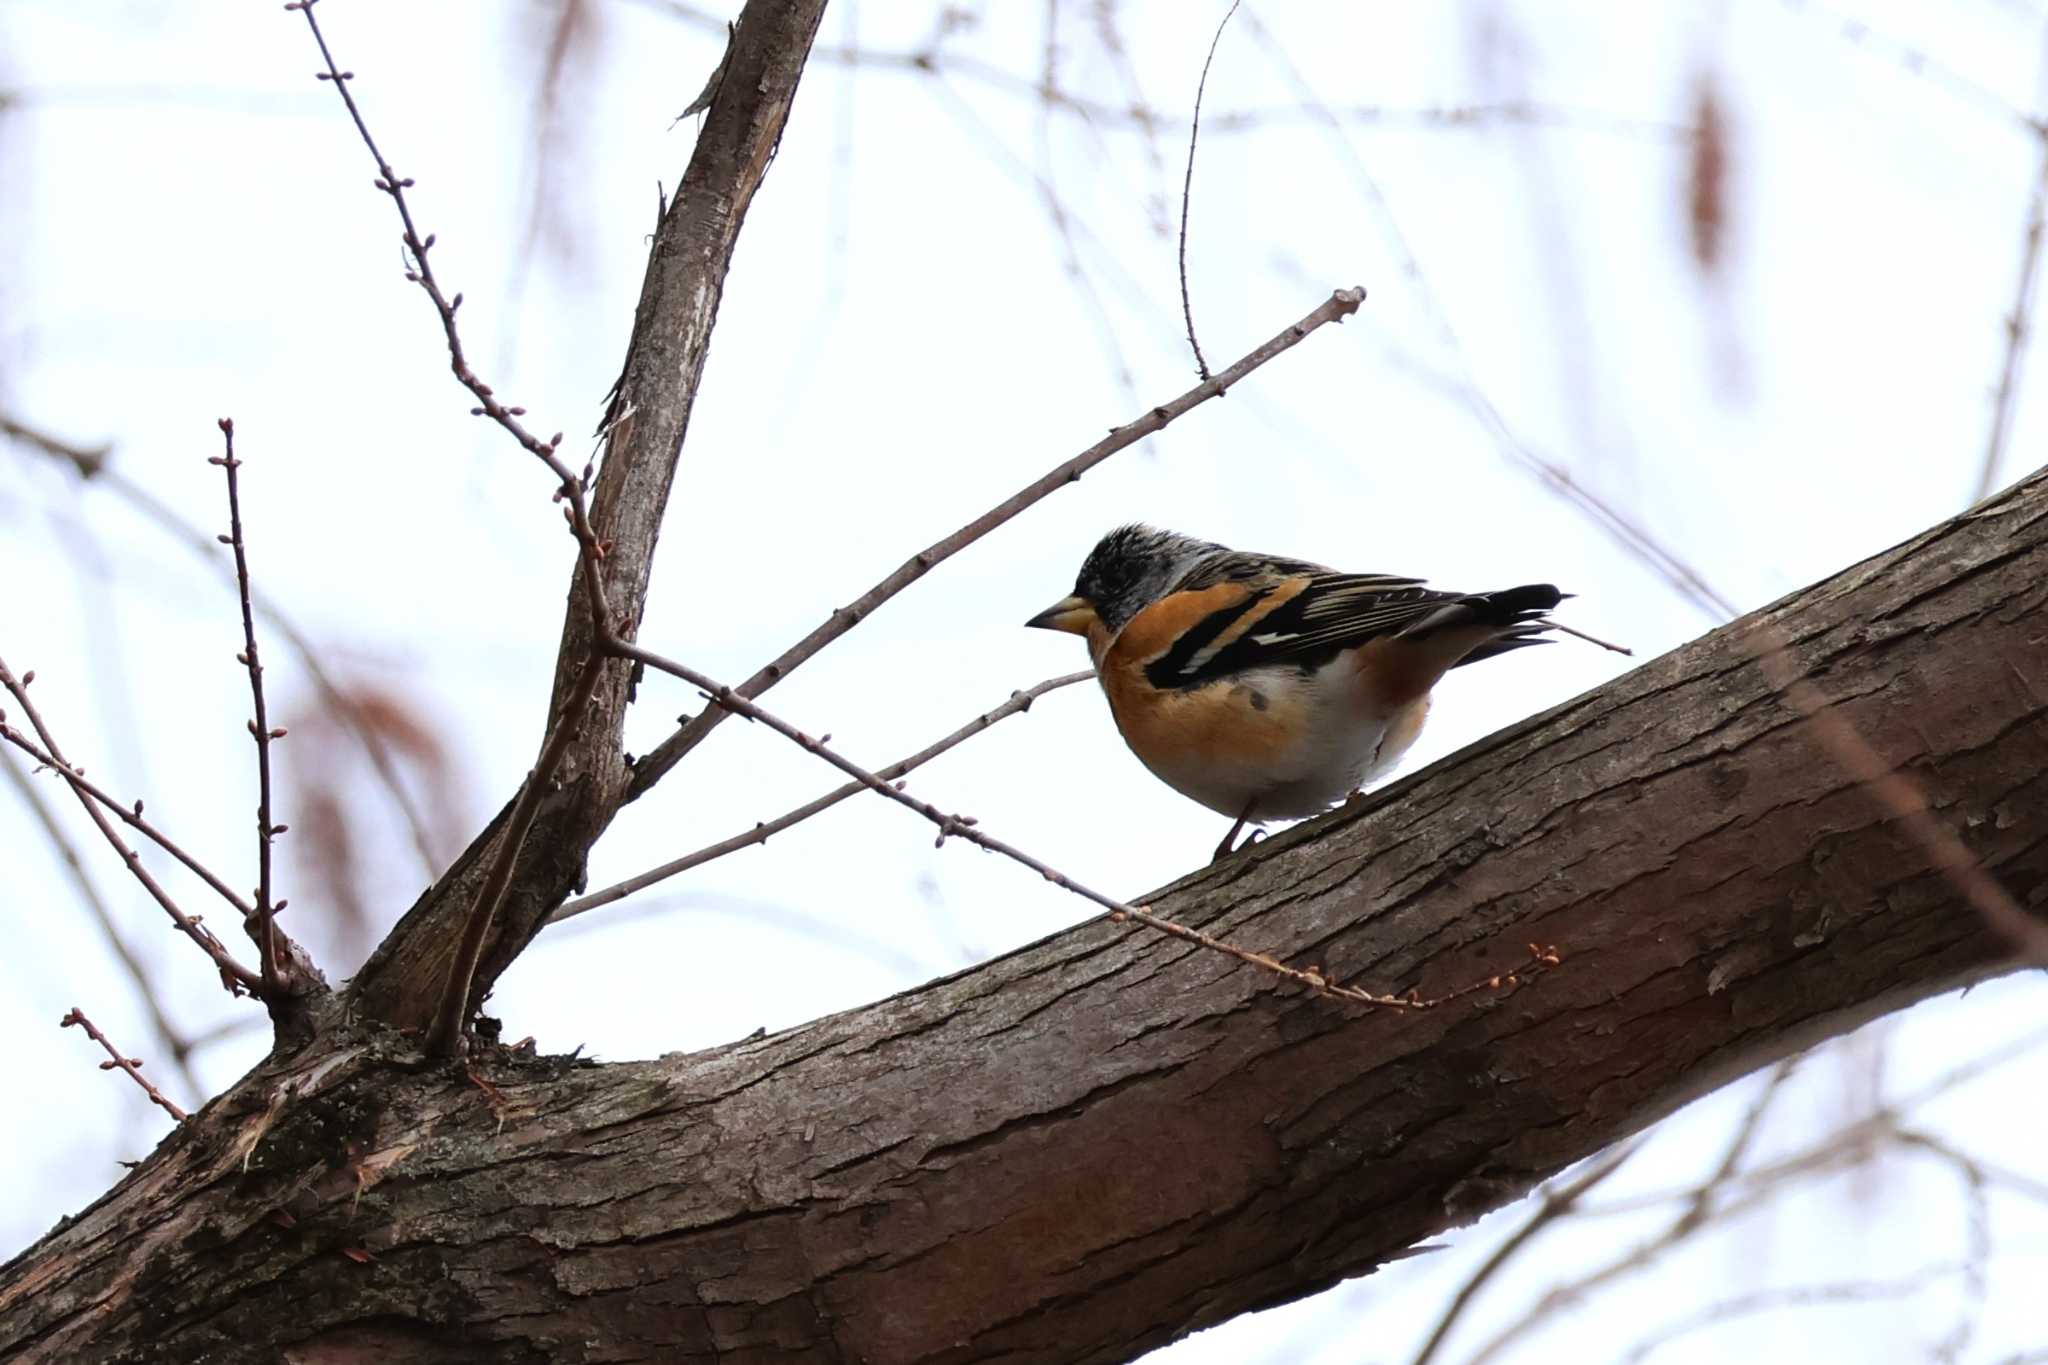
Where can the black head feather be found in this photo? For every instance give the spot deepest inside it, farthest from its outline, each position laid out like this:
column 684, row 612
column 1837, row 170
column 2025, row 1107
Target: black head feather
column 1134, row 565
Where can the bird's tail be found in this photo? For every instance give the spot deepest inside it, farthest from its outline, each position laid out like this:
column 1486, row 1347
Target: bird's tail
column 1495, row 622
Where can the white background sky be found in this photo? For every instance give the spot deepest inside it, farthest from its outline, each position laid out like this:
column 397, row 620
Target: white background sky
column 189, row 232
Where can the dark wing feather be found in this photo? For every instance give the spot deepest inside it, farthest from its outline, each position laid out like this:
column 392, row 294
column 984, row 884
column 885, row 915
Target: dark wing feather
column 1336, row 612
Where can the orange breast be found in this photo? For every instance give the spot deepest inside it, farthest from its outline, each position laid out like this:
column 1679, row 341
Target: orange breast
column 1224, row 725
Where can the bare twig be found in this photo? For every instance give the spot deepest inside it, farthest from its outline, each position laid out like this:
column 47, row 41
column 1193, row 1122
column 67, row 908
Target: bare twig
column 1739, row 1145
column 2006, row 398
column 1794, row 1296
column 129, row 815
column 1747, row 1190
column 1633, row 538
column 233, row 974
column 444, row 1036
column 168, row 1034
column 266, row 911
column 760, row 834
column 421, row 272
column 1828, row 1150
column 88, row 460
column 1050, row 198
column 654, row 765
column 1702, row 1207
column 1187, row 188
column 444, row 1039
column 1985, row 1172
column 127, row 1064
column 960, row 826
column 1916, row 62
column 1564, row 629
column 1899, row 796
column 1139, row 113
column 1977, row 1250
column 1566, row 1200
column 92, row 464
column 929, row 63
column 1556, row 1204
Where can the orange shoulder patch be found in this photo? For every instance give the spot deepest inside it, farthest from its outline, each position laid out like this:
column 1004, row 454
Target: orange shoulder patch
column 1152, row 631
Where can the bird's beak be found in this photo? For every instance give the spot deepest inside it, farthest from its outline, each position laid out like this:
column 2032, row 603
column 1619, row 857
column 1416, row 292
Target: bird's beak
column 1071, row 614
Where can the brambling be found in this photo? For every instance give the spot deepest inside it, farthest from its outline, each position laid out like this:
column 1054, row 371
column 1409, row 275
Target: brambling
column 1269, row 688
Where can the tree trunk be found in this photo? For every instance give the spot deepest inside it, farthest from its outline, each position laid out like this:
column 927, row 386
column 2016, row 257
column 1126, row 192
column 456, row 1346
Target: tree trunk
column 1092, row 1146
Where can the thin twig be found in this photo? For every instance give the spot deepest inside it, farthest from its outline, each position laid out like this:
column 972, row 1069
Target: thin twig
column 1899, row 796
column 1916, row 62
column 444, row 1036
column 421, row 272
column 1633, row 538
column 1187, row 188
column 129, row 815
column 88, row 460
column 2007, row 397
column 1792, row 1296
column 960, row 826
column 1977, row 1251
column 1046, row 179
column 1884, row 1123
column 1745, row 1191
column 1987, row 1172
column 654, row 765
column 233, row 974
column 1567, row 1198
column 1701, row 1209
column 1564, row 629
column 92, row 465
column 444, row 1039
column 1556, row 1204
column 127, row 1064
column 266, row 936
column 929, row 63
column 1739, row 1145
column 174, row 1042
column 760, row 834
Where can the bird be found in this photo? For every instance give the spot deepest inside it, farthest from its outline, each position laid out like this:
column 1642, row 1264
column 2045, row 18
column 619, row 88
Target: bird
column 1269, row 688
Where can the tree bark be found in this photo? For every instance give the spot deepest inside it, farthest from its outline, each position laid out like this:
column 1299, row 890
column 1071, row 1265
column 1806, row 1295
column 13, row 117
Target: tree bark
column 1099, row 1143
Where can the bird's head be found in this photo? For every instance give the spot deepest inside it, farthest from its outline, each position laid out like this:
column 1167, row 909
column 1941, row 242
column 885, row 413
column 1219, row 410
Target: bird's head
column 1128, row 568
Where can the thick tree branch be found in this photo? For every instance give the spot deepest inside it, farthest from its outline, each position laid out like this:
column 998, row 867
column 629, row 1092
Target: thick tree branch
column 1107, row 1140
column 644, row 431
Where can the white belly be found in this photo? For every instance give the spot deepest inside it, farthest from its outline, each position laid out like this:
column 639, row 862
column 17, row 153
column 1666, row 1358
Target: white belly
column 1337, row 745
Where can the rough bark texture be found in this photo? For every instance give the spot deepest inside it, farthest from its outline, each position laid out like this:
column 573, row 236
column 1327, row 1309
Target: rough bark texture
column 1108, row 1139
column 645, row 427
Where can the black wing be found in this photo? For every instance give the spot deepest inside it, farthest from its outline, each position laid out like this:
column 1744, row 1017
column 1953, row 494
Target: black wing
column 1336, row 612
